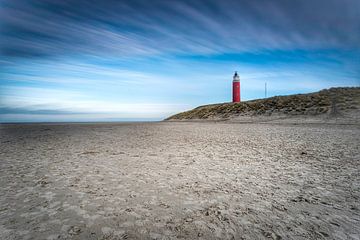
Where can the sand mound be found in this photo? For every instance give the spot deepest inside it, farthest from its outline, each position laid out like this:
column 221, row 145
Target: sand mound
column 332, row 103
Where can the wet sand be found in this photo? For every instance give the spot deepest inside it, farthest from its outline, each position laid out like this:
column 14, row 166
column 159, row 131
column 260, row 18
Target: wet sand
column 174, row 180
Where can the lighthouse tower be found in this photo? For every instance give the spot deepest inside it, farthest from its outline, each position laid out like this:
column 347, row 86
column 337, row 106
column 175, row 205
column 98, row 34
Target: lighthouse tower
column 236, row 88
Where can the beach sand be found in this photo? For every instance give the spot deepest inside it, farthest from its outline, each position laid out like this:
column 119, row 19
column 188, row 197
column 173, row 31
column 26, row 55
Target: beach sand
column 180, row 180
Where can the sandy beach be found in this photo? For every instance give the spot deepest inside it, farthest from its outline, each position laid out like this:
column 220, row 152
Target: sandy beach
column 180, row 180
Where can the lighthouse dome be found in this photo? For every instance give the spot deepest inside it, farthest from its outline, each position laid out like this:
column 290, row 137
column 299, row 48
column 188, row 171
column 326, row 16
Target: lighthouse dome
column 236, row 77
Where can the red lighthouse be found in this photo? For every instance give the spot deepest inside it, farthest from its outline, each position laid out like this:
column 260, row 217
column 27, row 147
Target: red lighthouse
column 236, row 88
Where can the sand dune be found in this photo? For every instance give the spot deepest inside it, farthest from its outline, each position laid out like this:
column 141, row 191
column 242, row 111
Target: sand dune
column 174, row 180
column 325, row 104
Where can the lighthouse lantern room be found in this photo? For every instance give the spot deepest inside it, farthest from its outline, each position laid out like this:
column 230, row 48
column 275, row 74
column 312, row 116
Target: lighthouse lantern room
column 236, row 88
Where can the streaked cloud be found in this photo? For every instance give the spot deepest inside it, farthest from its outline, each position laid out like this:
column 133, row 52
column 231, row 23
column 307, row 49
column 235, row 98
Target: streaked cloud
column 87, row 59
column 53, row 28
column 69, row 105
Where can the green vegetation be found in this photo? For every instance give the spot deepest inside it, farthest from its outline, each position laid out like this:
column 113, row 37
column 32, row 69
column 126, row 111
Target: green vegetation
column 329, row 101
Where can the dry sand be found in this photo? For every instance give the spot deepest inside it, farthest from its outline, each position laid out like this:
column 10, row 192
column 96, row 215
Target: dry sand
column 174, row 180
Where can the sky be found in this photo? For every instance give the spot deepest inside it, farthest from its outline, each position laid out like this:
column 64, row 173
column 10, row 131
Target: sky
column 139, row 60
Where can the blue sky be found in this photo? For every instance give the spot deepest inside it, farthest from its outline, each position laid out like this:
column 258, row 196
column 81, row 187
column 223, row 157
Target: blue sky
column 145, row 60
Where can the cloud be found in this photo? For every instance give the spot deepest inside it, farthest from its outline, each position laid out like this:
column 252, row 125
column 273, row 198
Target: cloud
column 142, row 28
column 40, row 101
column 26, row 111
column 132, row 59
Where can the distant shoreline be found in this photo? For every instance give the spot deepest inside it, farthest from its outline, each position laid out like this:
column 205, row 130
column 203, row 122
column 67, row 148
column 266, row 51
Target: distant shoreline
column 80, row 122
